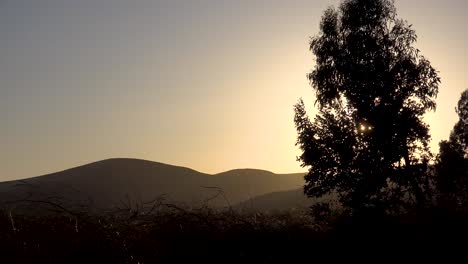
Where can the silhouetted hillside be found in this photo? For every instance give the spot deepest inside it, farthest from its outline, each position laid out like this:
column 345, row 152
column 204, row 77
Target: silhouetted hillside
column 277, row 201
column 126, row 182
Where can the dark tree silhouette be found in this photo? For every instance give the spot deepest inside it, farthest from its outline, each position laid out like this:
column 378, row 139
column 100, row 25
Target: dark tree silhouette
column 368, row 142
column 460, row 130
column 452, row 161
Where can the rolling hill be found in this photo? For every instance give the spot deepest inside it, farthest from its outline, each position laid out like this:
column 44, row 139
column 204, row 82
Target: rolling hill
column 281, row 200
column 115, row 182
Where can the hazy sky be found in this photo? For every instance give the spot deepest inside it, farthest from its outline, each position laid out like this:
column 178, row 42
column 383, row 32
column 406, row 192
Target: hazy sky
column 205, row 84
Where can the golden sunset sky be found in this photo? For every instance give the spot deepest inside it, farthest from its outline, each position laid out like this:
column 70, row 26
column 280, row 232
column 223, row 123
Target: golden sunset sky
column 203, row 84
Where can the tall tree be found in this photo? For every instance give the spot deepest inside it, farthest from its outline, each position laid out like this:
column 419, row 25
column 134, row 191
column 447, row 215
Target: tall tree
column 459, row 134
column 452, row 161
column 368, row 143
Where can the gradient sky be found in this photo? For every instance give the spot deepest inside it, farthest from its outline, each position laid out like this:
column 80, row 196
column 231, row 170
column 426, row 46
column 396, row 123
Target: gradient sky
column 204, row 84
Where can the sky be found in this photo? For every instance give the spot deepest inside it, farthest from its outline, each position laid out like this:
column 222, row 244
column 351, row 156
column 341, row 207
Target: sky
column 206, row 84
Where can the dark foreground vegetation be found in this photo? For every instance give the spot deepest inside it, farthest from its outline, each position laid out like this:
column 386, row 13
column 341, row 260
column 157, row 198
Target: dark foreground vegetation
column 171, row 234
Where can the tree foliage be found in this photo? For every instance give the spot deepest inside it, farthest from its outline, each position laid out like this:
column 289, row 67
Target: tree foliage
column 368, row 142
column 459, row 134
column 452, row 161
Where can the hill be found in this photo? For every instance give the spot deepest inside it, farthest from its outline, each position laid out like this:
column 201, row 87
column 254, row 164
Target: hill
column 277, row 201
column 127, row 182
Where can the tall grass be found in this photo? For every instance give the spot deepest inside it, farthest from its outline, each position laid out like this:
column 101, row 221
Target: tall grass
column 166, row 233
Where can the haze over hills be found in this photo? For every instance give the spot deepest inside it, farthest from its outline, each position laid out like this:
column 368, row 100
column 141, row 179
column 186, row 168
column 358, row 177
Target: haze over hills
column 112, row 182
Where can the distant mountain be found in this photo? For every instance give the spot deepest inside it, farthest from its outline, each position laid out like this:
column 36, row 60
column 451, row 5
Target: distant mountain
column 282, row 200
column 115, row 182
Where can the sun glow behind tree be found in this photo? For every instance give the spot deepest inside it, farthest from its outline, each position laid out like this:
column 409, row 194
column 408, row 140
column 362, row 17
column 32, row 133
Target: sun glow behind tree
column 368, row 142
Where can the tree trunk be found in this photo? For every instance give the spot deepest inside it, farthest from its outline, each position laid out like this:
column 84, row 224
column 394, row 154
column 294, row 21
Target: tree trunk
column 419, row 196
